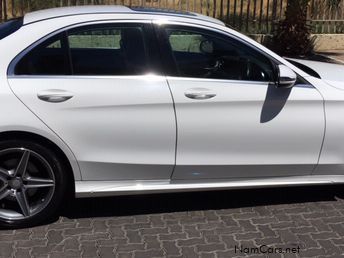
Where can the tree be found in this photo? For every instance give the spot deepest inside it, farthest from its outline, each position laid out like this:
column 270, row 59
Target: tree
column 293, row 35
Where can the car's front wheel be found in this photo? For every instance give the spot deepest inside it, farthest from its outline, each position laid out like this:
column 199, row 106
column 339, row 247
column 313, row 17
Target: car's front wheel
column 32, row 183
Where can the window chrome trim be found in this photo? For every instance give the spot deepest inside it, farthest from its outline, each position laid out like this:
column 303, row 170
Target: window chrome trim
column 148, row 76
column 158, row 22
column 258, row 83
column 17, row 58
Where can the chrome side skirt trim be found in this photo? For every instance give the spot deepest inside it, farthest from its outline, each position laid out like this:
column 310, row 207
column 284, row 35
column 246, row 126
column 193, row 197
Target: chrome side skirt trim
column 112, row 188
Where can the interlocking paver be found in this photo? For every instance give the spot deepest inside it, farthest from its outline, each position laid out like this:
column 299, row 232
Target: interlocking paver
column 191, row 225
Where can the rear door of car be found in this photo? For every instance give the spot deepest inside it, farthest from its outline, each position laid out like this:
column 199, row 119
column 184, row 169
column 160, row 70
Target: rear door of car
column 98, row 86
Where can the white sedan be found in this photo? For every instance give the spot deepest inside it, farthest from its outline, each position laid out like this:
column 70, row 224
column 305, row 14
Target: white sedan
column 111, row 100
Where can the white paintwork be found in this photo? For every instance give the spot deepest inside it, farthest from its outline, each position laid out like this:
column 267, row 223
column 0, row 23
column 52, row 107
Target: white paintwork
column 332, row 74
column 119, row 128
column 287, row 77
column 17, row 117
column 223, row 137
column 327, row 71
column 104, row 9
column 331, row 86
column 73, row 10
column 246, row 130
column 106, row 188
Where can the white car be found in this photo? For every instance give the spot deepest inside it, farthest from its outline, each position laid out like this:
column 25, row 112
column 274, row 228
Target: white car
column 111, row 100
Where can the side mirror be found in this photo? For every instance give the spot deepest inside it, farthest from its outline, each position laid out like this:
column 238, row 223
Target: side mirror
column 286, row 77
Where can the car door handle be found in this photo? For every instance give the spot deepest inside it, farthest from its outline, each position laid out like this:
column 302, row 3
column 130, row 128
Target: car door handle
column 199, row 93
column 55, row 96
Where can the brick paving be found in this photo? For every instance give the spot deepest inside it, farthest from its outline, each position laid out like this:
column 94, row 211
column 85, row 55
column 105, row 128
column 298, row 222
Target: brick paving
column 205, row 224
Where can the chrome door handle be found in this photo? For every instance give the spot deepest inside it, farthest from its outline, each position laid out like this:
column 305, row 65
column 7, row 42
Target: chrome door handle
column 55, row 96
column 199, row 93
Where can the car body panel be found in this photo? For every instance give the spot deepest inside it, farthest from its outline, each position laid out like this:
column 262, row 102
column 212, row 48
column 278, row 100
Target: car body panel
column 331, row 160
column 112, row 9
column 29, row 111
column 331, row 85
column 122, row 129
column 233, row 134
column 327, row 71
column 86, row 189
column 16, row 117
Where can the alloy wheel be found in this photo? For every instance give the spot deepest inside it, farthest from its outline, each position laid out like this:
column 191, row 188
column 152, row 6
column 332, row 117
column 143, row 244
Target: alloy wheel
column 27, row 183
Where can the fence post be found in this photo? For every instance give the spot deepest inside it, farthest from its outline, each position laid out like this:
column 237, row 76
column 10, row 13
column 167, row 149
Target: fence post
column 254, row 14
column 22, row 7
column 241, row 14
column 228, row 9
column 221, row 9
column 274, row 15
column 261, row 15
column 5, row 10
column 234, row 13
column 1, row 10
column 267, row 16
column 248, row 14
column 208, row 7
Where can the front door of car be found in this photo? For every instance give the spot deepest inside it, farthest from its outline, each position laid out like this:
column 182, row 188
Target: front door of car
column 91, row 85
column 231, row 121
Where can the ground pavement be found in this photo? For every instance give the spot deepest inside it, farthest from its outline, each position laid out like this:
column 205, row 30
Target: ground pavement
column 205, row 224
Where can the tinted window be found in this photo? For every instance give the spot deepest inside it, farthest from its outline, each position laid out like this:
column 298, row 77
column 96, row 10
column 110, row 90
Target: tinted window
column 48, row 58
column 9, row 27
column 202, row 54
column 89, row 50
column 109, row 50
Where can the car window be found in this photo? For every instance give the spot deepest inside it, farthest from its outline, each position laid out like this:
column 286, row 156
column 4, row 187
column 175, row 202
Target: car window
column 96, row 38
column 199, row 53
column 109, row 49
column 48, row 58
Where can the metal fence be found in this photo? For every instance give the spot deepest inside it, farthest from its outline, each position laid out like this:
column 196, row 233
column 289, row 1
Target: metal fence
column 248, row 16
column 325, row 19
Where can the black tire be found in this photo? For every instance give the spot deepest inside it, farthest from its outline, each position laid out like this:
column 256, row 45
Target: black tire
column 57, row 193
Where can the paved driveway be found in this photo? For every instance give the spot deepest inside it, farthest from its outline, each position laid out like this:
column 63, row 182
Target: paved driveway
column 207, row 224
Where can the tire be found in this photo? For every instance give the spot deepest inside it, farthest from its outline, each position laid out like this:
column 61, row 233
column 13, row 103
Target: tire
column 30, row 195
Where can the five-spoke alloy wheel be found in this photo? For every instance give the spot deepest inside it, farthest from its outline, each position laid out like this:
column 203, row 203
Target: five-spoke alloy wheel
column 31, row 186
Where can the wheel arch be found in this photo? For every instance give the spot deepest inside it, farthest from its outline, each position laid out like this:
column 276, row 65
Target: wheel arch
column 20, row 135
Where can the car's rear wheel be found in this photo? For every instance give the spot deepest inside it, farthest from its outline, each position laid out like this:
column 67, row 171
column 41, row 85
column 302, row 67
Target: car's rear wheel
column 32, row 183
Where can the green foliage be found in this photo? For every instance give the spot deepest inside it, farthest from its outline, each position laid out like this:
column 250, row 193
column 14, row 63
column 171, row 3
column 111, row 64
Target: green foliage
column 293, row 35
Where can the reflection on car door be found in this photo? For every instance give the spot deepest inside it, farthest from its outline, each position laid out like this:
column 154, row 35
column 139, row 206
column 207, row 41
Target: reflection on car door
column 118, row 120
column 233, row 123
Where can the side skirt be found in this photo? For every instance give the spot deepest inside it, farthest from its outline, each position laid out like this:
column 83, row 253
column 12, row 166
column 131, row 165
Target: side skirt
column 112, row 188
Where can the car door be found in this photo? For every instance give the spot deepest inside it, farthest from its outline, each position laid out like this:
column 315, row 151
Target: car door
column 93, row 86
column 232, row 121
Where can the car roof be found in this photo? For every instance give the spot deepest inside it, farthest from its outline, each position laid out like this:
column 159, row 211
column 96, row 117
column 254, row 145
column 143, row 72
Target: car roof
column 109, row 9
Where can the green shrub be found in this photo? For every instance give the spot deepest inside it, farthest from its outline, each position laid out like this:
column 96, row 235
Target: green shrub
column 292, row 37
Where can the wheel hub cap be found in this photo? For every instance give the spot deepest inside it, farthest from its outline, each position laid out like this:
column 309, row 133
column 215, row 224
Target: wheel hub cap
column 15, row 183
